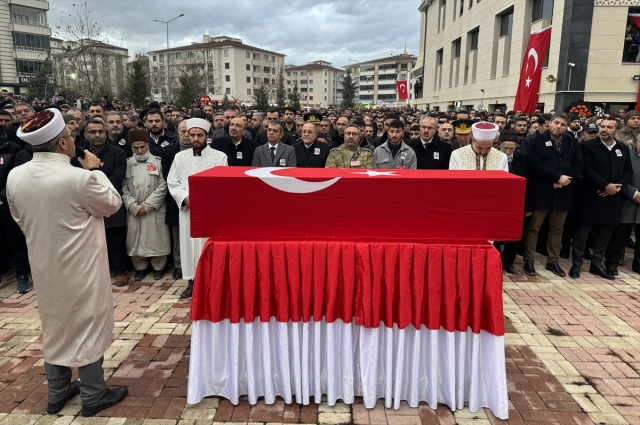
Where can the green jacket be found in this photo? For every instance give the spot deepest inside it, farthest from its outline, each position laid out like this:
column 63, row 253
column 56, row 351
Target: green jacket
column 628, row 137
column 341, row 157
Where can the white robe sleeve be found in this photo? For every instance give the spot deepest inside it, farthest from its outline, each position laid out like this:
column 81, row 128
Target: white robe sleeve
column 176, row 188
column 504, row 163
column 97, row 194
column 455, row 163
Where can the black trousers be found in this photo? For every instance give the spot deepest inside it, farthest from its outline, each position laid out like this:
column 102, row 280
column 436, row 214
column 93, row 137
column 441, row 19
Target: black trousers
column 117, row 247
column 510, row 249
column 618, row 243
column 17, row 242
column 602, row 234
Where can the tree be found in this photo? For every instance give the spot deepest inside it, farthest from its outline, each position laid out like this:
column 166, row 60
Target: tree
column 41, row 84
column 281, row 94
column 261, row 98
column 186, row 93
column 138, row 84
column 348, row 91
column 225, row 101
column 294, row 97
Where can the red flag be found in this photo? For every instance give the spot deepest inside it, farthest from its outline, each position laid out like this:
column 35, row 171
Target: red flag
column 527, row 94
column 402, row 90
column 636, row 20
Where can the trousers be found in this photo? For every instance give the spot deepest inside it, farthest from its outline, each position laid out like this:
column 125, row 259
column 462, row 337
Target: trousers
column 554, row 240
column 618, row 243
column 92, row 383
column 16, row 241
column 602, row 234
column 175, row 232
column 142, row 263
column 117, row 247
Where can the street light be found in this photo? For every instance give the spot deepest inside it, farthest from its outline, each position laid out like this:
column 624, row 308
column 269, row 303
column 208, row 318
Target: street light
column 168, row 68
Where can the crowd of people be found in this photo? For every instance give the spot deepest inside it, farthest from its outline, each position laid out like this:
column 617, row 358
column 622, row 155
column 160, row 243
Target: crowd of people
column 582, row 173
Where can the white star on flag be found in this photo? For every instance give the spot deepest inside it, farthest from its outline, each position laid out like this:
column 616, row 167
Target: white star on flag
column 528, row 80
column 373, row 173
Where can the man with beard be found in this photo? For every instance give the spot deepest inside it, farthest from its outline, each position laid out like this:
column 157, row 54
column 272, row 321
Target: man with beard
column 273, row 114
column 350, row 154
column 630, row 134
column 6, row 120
column 311, row 153
column 274, row 153
column 607, row 170
column 218, row 120
column 299, row 123
column 575, row 129
column 462, row 129
column 158, row 137
column 116, row 134
column 415, row 132
column 337, row 135
column 431, row 153
column 445, row 133
column 500, row 120
column 96, row 109
column 187, row 163
column 480, row 153
column 238, row 148
column 289, row 124
column 208, row 109
column 521, row 128
column 385, row 126
column 257, row 122
column 368, row 132
column 80, row 139
column 395, row 153
column 229, row 114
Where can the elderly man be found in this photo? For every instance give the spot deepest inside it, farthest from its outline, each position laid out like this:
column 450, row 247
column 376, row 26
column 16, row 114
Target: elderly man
column 310, row 152
column 350, row 154
column 431, row 153
column 143, row 195
column 462, row 129
column 395, row 153
column 445, row 133
column 237, row 146
column 274, row 153
column 229, row 114
column 24, row 112
column 480, row 154
column 187, row 163
column 630, row 134
column 55, row 203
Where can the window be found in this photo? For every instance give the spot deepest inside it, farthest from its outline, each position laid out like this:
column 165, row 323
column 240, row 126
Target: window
column 303, row 81
column 325, row 98
column 161, row 58
column 388, row 66
column 156, row 91
column 473, row 45
column 387, row 77
column 542, row 9
column 267, row 70
column 256, row 68
column 303, row 89
column 273, row 70
column 303, row 73
column 273, row 58
column 403, row 67
column 154, row 58
column 387, row 87
column 162, row 69
column 506, row 23
column 30, row 41
column 226, row 65
column 386, row 97
column 227, row 77
column 366, row 97
column 266, row 81
column 310, row 81
column 310, row 97
column 325, row 81
column 226, row 53
column 228, row 90
column 175, row 56
column 209, row 53
column 249, row 92
column 325, row 89
column 255, row 81
column 256, row 56
column 456, row 48
column 462, row 6
column 210, row 67
column 249, row 80
column 248, row 67
column 311, row 90
column 369, row 68
column 28, row 15
column 248, row 55
column 195, row 55
column 27, row 67
column 310, row 73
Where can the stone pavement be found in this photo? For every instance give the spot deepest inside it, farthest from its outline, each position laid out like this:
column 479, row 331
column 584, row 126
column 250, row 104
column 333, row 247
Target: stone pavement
column 572, row 349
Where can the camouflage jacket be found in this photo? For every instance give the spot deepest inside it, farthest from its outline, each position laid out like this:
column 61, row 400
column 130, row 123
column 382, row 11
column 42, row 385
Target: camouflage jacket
column 342, row 157
column 628, row 137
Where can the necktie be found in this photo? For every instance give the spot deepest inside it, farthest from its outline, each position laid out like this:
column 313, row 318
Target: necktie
column 273, row 153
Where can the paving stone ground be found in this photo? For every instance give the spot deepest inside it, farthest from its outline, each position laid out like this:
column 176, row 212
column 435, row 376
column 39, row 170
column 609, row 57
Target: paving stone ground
column 572, row 357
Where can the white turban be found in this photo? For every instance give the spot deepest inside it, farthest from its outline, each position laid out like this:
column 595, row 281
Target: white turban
column 484, row 131
column 42, row 127
column 199, row 123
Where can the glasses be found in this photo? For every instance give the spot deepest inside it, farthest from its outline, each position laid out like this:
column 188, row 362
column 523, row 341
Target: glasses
column 95, row 132
column 351, row 133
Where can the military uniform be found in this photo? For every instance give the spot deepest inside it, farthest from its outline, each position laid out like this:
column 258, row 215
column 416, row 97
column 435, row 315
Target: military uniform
column 628, row 137
column 342, row 157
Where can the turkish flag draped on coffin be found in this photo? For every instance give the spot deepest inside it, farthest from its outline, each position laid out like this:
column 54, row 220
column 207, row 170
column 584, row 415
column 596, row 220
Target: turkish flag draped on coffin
column 402, row 90
column 527, row 94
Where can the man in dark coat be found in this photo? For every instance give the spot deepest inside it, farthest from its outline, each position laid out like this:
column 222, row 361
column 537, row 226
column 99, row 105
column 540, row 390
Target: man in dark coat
column 555, row 159
column 607, row 170
column 158, row 137
column 113, row 163
column 117, row 135
column 236, row 145
column 310, row 152
column 431, row 152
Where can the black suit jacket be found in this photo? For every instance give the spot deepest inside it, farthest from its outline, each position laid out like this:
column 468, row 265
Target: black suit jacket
column 245, row 148
column 167, row 154
column 113, row 163
column 309, row 158
column 435, row 157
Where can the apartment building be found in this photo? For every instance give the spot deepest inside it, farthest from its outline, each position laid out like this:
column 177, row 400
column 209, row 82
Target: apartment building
column 24, row 41
column 471, row 53
column 319, row 84
column 225, row 65
column 376, row 79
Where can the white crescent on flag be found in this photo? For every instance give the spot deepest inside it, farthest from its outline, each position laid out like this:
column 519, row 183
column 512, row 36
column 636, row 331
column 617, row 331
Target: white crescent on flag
column 532, row 52
column 403, row 86
column 288, row 184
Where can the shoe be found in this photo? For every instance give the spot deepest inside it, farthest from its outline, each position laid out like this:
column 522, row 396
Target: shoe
column 187, row 292
column 4, row 269
column 612, row 270
column 121, row 280
column 109, row 399
column 74, row 390
column 140, row 274
column 587, row 255
column 510, row 269
column 598, row 270
column 630, row 243
column 554, row 267
column 177, row 274
column 158, row 274
column 529, row 268
column 564, row 253
column 574, row 273
column 23, row 284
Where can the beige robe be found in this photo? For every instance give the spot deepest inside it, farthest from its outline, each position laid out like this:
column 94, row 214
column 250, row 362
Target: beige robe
column 465, row 159
column 147, row 235
column 60, row 209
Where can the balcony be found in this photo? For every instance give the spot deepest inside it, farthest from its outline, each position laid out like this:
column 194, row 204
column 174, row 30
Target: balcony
column 31, row 27
column 36, row 4
column 29, row 53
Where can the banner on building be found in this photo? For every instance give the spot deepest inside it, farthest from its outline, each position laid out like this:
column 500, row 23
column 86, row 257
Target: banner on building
column 403, row 93
column 527, row 94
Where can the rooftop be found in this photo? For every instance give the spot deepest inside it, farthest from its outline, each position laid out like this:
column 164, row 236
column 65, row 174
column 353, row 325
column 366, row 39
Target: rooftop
column 216, row 42
column 404, row 57
column 314, row 65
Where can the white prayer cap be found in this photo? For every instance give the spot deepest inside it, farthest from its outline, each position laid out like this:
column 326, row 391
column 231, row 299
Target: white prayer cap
column 484, row 131
column 198, row 123
column 42, row 127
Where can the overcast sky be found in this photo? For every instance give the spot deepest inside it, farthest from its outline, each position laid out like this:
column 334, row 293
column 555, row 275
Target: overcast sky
column 305, row 31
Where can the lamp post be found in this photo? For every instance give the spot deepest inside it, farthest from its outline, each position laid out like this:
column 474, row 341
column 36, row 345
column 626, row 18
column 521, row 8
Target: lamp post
column 168, row 68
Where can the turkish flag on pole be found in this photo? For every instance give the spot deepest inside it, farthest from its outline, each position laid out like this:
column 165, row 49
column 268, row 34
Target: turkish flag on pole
column 402, row 90
column 635, row 17
column 527, row 94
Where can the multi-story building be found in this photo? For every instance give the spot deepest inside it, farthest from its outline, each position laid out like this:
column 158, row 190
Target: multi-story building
column 376, row 79
column 472, row 51
column 319, row 84
column 24, row 41
column 224, row 65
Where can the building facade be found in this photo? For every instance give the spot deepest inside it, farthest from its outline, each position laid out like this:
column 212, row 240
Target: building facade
column 471, row 53
column 376, row 79
column 319, row 84
column 24, row 41
column 224, row 65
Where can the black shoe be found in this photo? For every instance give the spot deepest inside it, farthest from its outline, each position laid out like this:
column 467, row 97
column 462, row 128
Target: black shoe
column 555, row 269
column 635, row 269
column 158, row 274
column 598, row 270
column 509, row 269
column 74, row 390
column 574, row 273
column 187, row 292
column 529, row 268
column 177, row 274
column 564, row 253
column 630, row 243
column 109, row 399
column 612, row 270
column 587, row 255
column 140, row 274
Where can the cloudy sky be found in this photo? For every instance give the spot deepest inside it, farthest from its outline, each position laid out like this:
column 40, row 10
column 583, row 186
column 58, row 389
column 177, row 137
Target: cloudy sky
column 334, row 31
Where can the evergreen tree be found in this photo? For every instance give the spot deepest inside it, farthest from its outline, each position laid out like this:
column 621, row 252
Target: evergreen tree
column 138, row 84
column 261, row 98
column 186, row 94
column 348, row 91
column 225, row 101
column 294, row 97
column 281, row 94
column 41, row 84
